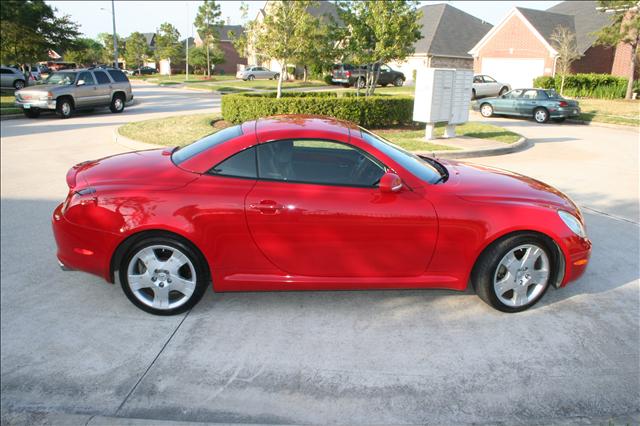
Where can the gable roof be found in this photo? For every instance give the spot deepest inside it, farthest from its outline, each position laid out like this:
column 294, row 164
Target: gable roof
column 448, row 31
column 223, row 32
column 546, row 22
column 587, row 20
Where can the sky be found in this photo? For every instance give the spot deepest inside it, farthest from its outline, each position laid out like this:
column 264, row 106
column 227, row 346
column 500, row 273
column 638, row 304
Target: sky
column 94, row 16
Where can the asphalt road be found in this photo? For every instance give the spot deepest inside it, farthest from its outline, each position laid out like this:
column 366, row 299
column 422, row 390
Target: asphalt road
column 73, row 344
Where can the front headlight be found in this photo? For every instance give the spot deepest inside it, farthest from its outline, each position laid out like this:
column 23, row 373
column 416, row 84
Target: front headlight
column 572, row 223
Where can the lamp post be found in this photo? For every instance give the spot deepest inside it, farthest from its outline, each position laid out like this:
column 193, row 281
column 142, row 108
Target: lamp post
column 115, row 37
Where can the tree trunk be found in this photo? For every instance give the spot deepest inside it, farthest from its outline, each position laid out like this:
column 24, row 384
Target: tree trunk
column 280, row 77
column 632, row 72
column 562, row 85
column 208, row 63
column 305, row 74
column 376, row 77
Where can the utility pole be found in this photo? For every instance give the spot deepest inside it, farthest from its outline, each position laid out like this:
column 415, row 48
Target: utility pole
column 115, row 37
column 186, row 42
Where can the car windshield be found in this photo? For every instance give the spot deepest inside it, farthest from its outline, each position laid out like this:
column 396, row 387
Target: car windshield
column 62, row 78
column 417, row 166
column 205, row 143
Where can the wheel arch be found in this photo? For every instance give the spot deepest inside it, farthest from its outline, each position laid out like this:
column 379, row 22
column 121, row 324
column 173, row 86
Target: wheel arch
column 551, row 244
column 125, row 244
column 66, row 96
column 119, row 92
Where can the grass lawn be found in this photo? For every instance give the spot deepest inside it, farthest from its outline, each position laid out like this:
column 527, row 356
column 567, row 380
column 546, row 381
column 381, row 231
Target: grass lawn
column 7, row 103
column 616, row 111
column 182, row 130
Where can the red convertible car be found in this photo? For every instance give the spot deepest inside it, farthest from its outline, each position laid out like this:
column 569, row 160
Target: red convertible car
column 313, row 203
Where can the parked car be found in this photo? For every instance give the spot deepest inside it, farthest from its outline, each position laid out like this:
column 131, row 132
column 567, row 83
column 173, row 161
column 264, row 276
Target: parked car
column 70, row 90
column 313, row 203
column 143, row 71
column 350, row 75
column 484, row 85
column 12, row 77
column 540, row 104
column 253, row 73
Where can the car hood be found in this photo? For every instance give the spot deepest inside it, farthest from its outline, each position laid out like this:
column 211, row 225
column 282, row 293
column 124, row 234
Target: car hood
column 151, row 168
column 42, row 88
column 487, row 184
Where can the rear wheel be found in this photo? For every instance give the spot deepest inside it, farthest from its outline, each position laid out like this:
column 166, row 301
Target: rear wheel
column 64, row 108
column 163, row 276
column 360, row 83
column 473, row 94
column 276, row 77
column 541, row 115
column 503, row 91
column 513, row 274
column 117, row 103
column 31, row 113
column 559, row 119
column 486, row 110
column 251, row 78
column 18, row 84
column 398, row 82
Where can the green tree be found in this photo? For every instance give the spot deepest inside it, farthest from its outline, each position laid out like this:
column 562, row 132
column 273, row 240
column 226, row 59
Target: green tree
column 564, row 41
column 208, row 23
column 106, row 39
column 282, row 34
column 625, row 29
column 87, row 52
column 240, row 41
column 199, row 60
column 375, row 32
column 29, row 28
column 168, row 42
column 136, row 50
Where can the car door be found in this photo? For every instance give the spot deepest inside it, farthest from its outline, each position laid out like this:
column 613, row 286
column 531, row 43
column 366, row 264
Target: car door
column 86, row 94
column 316, row 211
column 490, row 86
column 386, row 75
column 104, row 86
column 526, row 103
column 506, row 104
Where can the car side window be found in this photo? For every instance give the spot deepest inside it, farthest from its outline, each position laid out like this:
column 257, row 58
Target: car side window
column 118, row 76
column 477, row 79
column 488, row 79
column 241, row 164
column 541, row 94
column 530, row 94
column 318, row 162
column 101, row 77
column 88, row 78
column 385, row 68
column 5, row 71
column 514, row 94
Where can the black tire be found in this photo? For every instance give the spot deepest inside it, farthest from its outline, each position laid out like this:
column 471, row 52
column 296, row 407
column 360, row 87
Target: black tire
column 503, row 91
column 486, row 268
column 276, row 77
column 486, row 110
column 251, row 78
column 541, row 115
column 473, row 94
column 398, row 82
column 18, row 84
column 31, row 113
column 346, row 85
column 559, row 119
column 360, row 83
column 117, row 103
column 384, row 84
column 194, row 256
column 61, row 109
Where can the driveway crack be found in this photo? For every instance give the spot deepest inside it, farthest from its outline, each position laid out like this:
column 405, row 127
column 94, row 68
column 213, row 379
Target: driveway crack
column 126, row 398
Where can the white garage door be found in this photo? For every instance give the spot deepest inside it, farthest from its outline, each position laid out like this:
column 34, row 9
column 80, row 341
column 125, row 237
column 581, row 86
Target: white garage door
column 519, row 73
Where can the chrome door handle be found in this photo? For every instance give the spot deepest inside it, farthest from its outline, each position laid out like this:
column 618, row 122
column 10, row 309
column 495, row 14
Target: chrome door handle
column 267, row 207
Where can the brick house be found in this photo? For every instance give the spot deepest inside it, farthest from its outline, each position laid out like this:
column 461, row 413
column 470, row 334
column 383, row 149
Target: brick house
column 519, row 48
column 447, row 35
column 232, row 58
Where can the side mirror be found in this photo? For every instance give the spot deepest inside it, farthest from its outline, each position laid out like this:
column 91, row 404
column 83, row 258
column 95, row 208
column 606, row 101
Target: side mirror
column 390, row 182
column 80, row 83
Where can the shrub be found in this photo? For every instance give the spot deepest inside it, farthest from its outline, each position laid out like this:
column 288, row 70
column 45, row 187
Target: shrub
column 372, row 111
column 602, row 86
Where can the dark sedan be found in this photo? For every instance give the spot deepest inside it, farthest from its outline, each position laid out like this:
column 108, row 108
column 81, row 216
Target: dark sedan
column 541, row 104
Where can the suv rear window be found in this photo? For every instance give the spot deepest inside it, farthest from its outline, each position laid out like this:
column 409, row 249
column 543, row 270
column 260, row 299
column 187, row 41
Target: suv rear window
column 205, row 143
column 118, row 76
column 101, row 77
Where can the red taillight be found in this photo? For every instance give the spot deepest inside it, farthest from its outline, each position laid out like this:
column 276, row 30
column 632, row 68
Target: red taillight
column 348, row 74
column 563, row 104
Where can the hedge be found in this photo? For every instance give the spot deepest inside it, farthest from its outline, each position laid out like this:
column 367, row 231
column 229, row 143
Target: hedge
column 602, row 86
column 371, row 111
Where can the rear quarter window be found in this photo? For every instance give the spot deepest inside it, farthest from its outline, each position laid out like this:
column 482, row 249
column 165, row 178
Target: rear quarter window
column 118, row 76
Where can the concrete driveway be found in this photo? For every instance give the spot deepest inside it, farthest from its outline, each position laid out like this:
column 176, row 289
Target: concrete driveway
column 73, row 344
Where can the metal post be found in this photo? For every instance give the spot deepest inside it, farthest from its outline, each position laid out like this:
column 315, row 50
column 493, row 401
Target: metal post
column 186, row 42
column 115, row 37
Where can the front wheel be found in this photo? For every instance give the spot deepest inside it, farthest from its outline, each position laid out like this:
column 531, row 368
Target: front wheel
column 163, row 276
column 398, row 82
column 541, row 115
column 513, row 274
column 18, row 84
column 117, row 104
column 486, row 110
column 64, row 108
column 31, row 113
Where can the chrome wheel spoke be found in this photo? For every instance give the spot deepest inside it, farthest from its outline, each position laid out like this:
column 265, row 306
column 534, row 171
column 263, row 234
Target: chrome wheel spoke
column 539, row 276
column 520, row 295
column 137, row 282
column 182, row 285
column 149, row 258
column 161, row 297
column 175, row 262
column 505, row 284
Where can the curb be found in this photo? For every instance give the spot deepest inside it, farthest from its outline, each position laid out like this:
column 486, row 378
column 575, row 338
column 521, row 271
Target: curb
column 522, row 144
column 11, row 116
column 131, row 143
column 608, row 125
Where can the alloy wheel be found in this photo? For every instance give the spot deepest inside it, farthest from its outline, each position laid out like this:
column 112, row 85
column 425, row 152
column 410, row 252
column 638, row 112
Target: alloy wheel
column 161, row 277
column 486, row 110
column 522, row 275
column 540, row 116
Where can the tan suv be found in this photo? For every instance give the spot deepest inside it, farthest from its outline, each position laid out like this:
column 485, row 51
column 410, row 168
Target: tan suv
column 70, row 90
